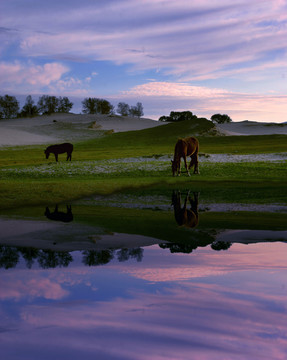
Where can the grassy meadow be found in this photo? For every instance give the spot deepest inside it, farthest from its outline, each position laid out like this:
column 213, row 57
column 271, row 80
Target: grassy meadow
column 141, row 159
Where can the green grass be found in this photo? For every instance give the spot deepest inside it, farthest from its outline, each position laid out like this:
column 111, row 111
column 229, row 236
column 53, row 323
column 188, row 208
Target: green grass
column 258, row 182
column 154, row 141
column 26, row 177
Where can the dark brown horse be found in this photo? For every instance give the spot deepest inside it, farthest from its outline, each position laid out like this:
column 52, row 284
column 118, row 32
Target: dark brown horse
column 184, row 216
column 183, row 148
column 60, row 149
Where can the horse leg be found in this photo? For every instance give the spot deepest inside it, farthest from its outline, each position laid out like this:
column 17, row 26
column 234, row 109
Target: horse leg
column 195, row 161
column 56, row 156
column 187, row 169
column 191, row 162
column 196, row 171
column 179, row 167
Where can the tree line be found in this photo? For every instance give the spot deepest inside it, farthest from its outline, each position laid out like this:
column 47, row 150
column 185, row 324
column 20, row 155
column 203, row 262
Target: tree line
column 46, row 259
column 188, row 115
column 46, row 105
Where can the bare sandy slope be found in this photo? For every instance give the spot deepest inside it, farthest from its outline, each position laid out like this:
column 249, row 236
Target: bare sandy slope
column 252, row 128
column 70, row 127
column 65, row 127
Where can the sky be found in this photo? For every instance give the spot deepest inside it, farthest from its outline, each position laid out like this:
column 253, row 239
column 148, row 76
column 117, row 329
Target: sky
column 205, row 56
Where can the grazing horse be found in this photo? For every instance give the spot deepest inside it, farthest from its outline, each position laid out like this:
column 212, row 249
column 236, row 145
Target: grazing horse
column 60, row 149
column 183, row 148
column 183, row 216
column 60, row 215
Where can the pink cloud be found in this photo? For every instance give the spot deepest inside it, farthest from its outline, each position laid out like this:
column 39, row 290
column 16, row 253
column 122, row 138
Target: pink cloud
column 244, row 258
column 174, row 90
column 31, row 288
column 204, row 101
column 40, row 75
column 25, row 78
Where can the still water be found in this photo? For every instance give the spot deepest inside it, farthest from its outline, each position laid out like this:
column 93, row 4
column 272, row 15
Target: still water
column 166, row 277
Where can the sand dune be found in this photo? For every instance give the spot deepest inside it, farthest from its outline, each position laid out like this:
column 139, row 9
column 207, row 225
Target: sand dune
column 252, row 128
column 63, row 127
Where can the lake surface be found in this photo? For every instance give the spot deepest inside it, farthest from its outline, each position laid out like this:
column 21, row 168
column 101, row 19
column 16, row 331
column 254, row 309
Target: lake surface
column 144, row 277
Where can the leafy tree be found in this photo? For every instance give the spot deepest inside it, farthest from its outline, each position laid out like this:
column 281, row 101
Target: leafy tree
column 137, row 110
column 29, row 109
column 221, row 119
column 123, row 109
column 178, row 116
column 48, row 104
column 89, row 106
column 64, row 105
column 105, row 107
column 9, row 107
column 96, row 106
column 164, row 118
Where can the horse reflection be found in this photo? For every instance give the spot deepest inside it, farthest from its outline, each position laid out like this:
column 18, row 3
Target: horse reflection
column 57, row 215
column 187, row 217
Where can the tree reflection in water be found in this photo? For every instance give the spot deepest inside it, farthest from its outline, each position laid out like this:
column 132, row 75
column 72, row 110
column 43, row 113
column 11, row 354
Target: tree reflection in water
column 11, row 256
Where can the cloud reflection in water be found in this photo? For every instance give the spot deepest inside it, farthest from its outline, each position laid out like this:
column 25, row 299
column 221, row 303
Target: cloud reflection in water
column 169, row 306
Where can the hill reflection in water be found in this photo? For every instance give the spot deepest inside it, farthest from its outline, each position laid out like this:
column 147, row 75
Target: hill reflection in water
column 102, row 233
column 163, row 278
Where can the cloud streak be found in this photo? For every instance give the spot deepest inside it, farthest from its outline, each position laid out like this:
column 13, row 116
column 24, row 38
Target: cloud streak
column 180, row 38
column 202, row 319
column 238, row 47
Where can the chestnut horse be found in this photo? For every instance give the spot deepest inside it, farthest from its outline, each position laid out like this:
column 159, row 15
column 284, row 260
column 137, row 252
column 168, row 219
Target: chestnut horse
column 183, row 148
column 60, row 149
